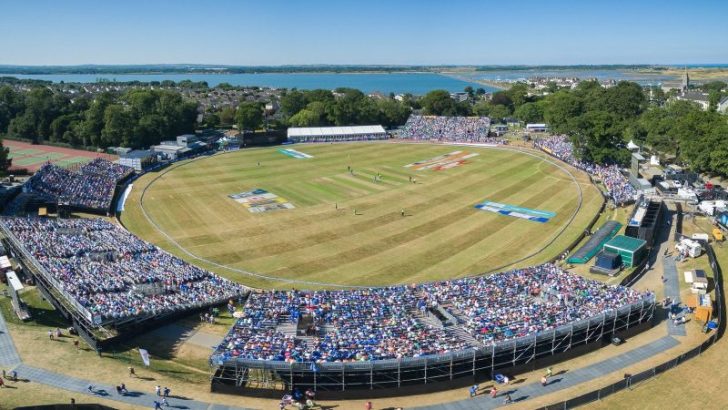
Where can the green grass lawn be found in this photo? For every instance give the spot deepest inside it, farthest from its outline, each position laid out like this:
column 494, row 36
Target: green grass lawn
column 442, row 236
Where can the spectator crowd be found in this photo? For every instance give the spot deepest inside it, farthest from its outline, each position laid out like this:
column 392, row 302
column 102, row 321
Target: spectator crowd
column 620, row 190
column 448, row 129
column 91, row 187
column 113, row 274
column 391, row 322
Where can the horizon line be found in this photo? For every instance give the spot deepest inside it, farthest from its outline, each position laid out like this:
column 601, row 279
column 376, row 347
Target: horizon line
column 213, row 65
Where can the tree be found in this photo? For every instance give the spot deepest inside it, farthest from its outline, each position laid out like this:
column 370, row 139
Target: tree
column 714, row 86
column 499, row 112
column 5, row 160
column 560, row 109
column 482, row 109
column 351, row 108
column 11, row 104
column 596, row 138
column 626, row 100
column 392, row 112
column 93, row 123
column 713, row 99
column 438, row 102
column 249, row 116
column 227, row 116
column 293, row 102
column 517, row 94
column 117, row 127
column 502, row 98
column 529, row 113
column 61, row 125
column 211, row 120
column 469, row 90
column 304, row 118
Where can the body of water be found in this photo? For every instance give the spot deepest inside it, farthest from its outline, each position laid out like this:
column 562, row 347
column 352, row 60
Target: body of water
column 415, row 83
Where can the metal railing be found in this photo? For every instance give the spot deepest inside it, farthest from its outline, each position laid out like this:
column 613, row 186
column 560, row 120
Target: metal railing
column 484, row 361
column 630, row 380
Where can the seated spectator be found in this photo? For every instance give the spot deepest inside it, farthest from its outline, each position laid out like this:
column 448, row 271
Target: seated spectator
column 113, row 274
column 449, row 129
column 386, row 323
column 620, row 191
column 92, row 187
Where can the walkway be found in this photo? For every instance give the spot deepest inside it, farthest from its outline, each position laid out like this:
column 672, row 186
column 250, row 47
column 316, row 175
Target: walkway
column 8, row 355
column 10, row 360
column 672, row 291
column 560, row 382
column 105, row 391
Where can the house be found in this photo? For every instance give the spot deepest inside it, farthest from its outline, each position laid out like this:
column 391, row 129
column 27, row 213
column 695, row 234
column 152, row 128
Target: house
column 695, row 97
column 723, row 105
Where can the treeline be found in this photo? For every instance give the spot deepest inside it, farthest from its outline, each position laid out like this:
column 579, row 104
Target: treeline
column 135, row 119
column 343, row 106
column 600, row 121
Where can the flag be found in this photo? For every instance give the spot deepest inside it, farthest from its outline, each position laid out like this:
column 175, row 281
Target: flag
column 145, row 356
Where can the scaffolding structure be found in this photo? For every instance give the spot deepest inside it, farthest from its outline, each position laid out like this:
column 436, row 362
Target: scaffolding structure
column 254, row 377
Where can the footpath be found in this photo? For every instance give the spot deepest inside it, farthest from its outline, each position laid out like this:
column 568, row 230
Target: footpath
column 9, row 359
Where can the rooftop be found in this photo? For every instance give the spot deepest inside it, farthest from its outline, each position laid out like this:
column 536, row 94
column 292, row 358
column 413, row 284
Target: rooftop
column 334, row 131
column 626, row 242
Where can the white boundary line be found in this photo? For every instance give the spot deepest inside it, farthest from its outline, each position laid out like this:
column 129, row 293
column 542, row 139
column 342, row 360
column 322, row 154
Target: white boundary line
column 315, row 283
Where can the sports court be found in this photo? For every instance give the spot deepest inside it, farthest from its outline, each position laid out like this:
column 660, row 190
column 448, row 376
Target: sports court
column 32, row 157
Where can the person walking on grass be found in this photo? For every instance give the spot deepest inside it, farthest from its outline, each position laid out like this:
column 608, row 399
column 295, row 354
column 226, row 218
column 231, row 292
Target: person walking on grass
column 473, row 391
column 493, row 392
column 549, row 371
column 402, row 212
column 158, row 390
column 544, row 381
column 132, row 372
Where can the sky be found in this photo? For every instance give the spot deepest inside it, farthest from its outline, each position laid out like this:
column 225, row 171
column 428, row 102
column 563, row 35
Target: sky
column 424, row 32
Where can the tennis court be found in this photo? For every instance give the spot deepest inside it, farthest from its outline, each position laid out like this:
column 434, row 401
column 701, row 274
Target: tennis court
column 32, row 157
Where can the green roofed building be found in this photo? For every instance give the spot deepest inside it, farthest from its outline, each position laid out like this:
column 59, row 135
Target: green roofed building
column 632, row 250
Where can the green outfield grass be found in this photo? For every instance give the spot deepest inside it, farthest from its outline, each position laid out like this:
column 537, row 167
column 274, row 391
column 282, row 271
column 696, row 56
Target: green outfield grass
column 442, row 236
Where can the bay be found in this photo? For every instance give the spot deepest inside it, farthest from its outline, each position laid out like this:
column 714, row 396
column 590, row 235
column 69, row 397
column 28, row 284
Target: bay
column 398, row 83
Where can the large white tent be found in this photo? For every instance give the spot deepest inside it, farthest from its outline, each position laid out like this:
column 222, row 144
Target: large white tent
column 327, row 134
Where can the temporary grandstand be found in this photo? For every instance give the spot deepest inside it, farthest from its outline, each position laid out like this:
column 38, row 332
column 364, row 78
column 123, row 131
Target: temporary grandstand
column 334, row 134
column 595, row 243
column 395, row 340
column 448, row 129
column 90, row 188
column 106, row 281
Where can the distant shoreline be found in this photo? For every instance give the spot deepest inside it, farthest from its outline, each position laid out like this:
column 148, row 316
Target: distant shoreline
column 160, row 69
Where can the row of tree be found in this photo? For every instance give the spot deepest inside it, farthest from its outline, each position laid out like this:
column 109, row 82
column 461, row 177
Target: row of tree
column 135, row 119
column 598, row 120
